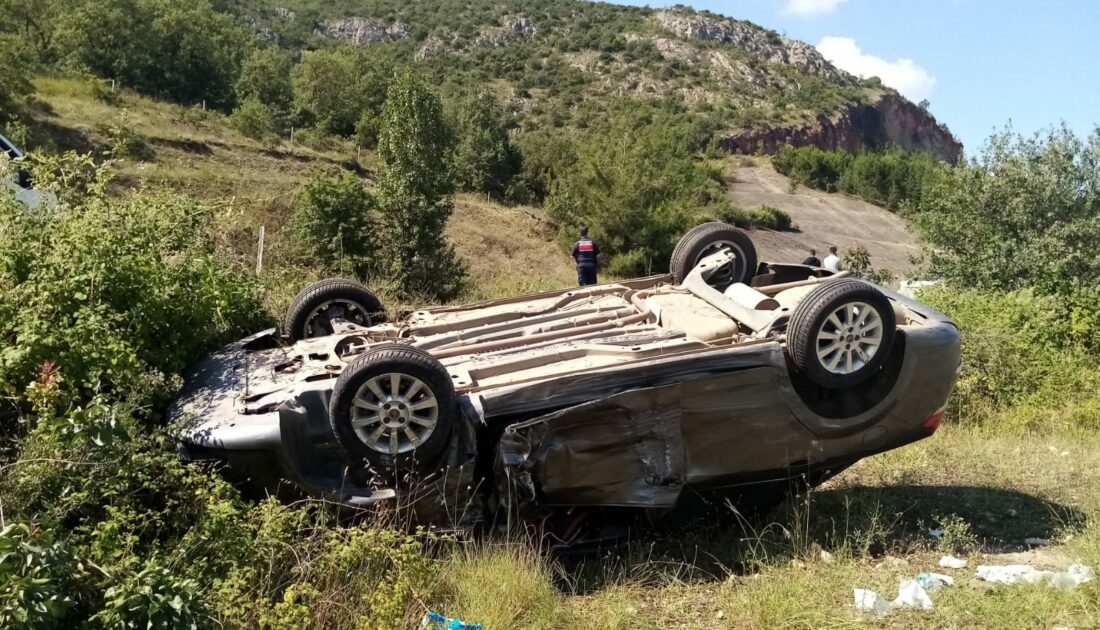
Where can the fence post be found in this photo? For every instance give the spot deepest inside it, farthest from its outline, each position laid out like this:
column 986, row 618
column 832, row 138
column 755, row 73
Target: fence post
column 260, row 252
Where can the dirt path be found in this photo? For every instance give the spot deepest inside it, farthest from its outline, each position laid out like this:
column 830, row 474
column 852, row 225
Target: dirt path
column 823, row 219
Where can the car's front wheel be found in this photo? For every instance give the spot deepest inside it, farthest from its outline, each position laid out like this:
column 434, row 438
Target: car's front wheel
column 841, row 333
column 394, row 407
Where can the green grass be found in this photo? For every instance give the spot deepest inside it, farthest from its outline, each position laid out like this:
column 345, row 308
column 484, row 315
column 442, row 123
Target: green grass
column 871, row 519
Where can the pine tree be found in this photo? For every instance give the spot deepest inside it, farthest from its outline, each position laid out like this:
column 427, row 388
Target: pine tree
column 415, row 185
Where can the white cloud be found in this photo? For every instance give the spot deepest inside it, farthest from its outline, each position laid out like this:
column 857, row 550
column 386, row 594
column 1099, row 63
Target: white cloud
column 903, row 74
column 810, row 8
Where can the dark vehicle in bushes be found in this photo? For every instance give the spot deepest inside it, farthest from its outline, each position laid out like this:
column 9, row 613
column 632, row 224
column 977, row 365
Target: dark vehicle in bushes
column 19, row 183
column 725, row 378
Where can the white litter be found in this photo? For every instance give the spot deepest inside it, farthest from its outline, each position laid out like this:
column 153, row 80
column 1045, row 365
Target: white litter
column 912, row 595
column 1036, row 542
column 951, row 562
column 1069, row 579
column 933, row 582
column 935, row 533
column 870, row 601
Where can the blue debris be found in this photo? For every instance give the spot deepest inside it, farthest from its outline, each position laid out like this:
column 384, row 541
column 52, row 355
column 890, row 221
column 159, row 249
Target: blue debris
column 437, row 621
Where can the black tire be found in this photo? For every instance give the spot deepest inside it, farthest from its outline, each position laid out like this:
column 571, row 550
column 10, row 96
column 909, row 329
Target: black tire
column 357, row 303
column 807, row 333
column 410, row 363
column 704, row 240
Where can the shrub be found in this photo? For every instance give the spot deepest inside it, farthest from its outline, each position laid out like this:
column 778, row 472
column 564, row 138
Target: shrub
column 254, row 119
column 265, row 78
column 544, row 157
column 890, row 178
column 334, row 223
column 116, row 295
column 811, row 166
column 125, row 141
column 770, row 218
column 32, row 579
column 1024, row 364
column 858, row 261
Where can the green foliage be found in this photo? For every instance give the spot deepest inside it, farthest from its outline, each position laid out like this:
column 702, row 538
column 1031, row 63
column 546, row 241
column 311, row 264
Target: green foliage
column 334, row 87
column 484, row 159
column 1029, row 361
column 858, row 261
column 334, row 223
column 414, row 190
column 32, row 576
column 184, row 50
column 1025, row 212
column 265, row 77
column 638, row 188
column 15, row 85
column 545, row 156
column 255, row 119
column 153, row 598
column 891, row 178
column 125, row 141
column 115, row 294
column 770, row 218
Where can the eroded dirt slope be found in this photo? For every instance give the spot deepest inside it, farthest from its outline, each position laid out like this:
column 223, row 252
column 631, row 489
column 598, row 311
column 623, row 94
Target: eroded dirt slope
column 823, row 219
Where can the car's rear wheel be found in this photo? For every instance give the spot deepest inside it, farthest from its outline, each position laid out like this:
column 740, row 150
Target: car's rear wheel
column 711, row 238
column 394, row 408
column 314, row 310
column 841, row 333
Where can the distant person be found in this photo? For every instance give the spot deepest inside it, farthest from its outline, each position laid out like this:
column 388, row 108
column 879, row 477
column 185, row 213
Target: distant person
column 812, row 260
column 585, row 252
column 832, row 261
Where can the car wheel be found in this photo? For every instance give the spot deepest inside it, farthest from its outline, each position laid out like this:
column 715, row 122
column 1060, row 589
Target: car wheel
column 312, row 311
column 711, row 238
column 394, row 408
column 841, row 333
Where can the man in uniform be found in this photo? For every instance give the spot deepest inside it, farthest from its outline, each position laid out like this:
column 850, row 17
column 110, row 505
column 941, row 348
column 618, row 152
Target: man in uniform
column 585, row 252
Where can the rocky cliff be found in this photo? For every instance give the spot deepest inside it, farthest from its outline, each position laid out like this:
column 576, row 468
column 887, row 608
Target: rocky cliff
column 889, row 119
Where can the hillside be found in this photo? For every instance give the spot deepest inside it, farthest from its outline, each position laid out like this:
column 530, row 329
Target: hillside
column 557, row 62
column 823, row 219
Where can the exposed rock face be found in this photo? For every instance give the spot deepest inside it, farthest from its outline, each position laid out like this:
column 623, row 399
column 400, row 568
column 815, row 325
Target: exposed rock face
column 756, row 41
column 891, row 119
column 512, row 29
column 285, row 14
column 359, row 30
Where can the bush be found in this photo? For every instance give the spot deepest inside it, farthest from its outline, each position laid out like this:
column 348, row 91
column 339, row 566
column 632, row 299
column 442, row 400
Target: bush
column 858, row 261
column 545, row 156
column 125, row 141
column 770, row 218
column 892, row 178
column 255, row 120
column 334, row 223
column 484, row 159
column 265, row 78
column 115, row 295
column 1024, row 363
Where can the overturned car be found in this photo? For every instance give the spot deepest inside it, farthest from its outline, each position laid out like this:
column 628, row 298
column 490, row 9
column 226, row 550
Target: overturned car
column 724, row 377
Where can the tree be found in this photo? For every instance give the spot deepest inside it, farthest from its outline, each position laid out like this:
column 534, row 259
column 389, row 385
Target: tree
column 334, row 223
column 639, row 188
column 335, row 88
column 484, row 158
column 15, row 82
column 1025, row 212
column 414, row 191
column 265, row 77
column 182, row 50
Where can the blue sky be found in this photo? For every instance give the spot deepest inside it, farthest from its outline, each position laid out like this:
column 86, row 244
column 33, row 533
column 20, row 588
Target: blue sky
column 981, row 63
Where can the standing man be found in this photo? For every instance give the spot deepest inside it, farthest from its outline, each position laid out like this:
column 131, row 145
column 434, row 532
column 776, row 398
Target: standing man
column 812, row 260
column 585, row 252
column 832, row 261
